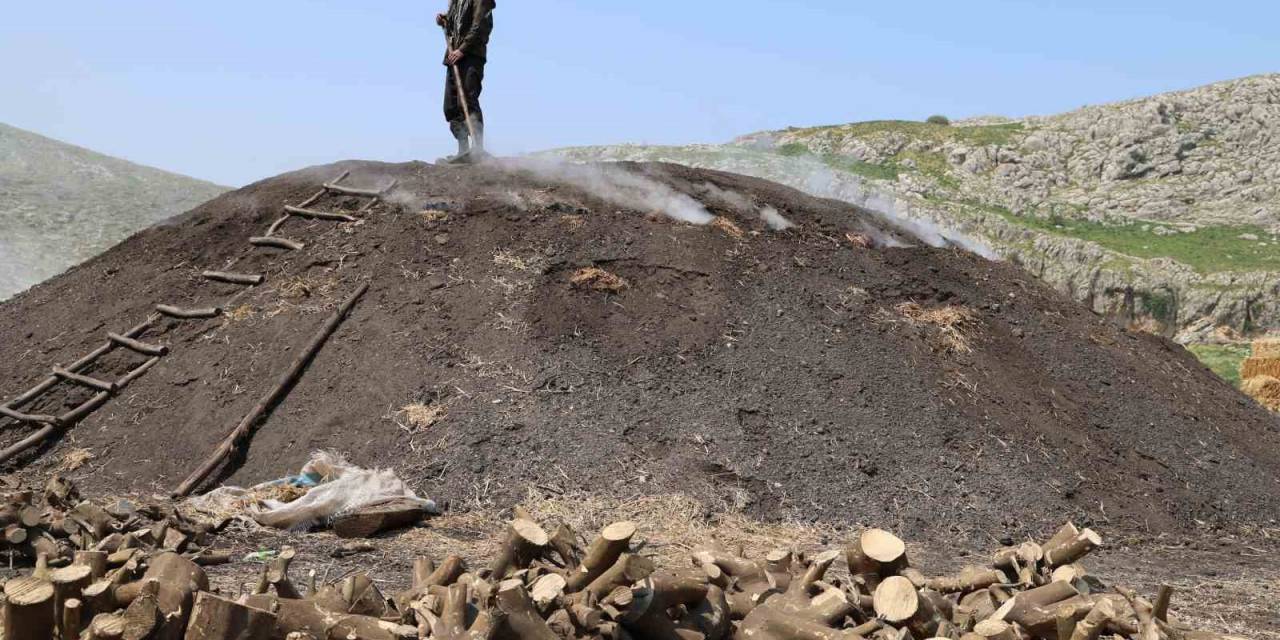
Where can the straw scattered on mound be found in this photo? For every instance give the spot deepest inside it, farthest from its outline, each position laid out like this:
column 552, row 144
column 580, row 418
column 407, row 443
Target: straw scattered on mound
column 598, row 279
column 954, row 323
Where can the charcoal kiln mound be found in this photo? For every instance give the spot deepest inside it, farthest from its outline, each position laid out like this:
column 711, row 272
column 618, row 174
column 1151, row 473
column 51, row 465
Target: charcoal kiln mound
column 624, row 329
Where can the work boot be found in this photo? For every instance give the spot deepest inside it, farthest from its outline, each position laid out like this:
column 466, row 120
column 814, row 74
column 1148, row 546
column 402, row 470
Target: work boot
column 464, row 153
column 477, row 146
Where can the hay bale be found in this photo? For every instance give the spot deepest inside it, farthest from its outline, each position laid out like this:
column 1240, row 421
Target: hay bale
column 1267, row 348
column 1254, row 367
column 1264, row 389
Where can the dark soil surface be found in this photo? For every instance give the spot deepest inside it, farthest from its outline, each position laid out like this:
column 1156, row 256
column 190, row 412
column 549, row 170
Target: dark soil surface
column 775, row 372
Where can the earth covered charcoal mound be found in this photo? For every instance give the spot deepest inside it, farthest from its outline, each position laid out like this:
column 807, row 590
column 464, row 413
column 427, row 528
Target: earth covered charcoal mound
column 533, row 326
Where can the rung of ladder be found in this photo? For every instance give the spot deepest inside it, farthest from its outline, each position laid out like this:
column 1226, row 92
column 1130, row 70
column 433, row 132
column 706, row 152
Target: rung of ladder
column 27, row 417
column 321, row 193
column 352, row 191
column 137, row 345
column 88, row 381
column 318, row 215
column 187, row 314
column 252, row 280
column 276, row 243
column 361, row 193
column 49, row 382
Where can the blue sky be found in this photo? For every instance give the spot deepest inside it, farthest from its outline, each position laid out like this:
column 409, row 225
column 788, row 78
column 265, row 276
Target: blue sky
column 236, row 91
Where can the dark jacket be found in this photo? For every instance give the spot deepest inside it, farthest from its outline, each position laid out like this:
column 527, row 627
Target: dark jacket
column 470, row 23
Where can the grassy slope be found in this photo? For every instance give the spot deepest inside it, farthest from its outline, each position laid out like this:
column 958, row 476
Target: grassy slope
column 1224, row 360
column 1209, row 249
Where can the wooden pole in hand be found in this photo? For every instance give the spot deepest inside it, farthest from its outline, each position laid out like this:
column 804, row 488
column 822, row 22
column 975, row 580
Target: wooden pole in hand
column 233, row 439
column 462, row 95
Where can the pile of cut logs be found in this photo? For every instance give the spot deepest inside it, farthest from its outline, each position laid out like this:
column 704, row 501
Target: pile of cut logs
column 549, row 586
column 65, row 526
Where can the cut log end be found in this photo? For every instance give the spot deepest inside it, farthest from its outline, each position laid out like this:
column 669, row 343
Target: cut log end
column 28, row 591
column 531, row 532
column 619, row 531
column 882, row 546
column 896, row 599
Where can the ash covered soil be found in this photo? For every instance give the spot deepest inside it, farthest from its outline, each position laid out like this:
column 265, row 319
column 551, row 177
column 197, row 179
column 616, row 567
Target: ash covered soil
column 792, row 374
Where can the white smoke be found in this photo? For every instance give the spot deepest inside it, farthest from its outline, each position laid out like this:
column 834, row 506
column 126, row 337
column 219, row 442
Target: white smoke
column 822, row 181
column 744, row 204
column 616, row 185
column 775, row 220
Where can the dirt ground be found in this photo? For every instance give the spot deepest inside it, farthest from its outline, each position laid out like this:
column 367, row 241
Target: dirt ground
column 794, row 375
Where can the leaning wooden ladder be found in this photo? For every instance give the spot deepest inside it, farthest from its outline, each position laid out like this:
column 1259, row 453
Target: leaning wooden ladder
column 105, row 389
column 304, row 210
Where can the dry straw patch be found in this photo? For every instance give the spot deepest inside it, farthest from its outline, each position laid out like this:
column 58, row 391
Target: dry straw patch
column 505, row 258
column 598, row 279
column 420, row 417
column 74, row 459
column 669, row 526
column 726, row 225
column 860, row 240
column 954, row 323
column 240, row 313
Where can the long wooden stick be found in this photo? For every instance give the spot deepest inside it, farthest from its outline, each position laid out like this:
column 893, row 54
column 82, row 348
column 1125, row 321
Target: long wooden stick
column 234, row 439
column 462, row 96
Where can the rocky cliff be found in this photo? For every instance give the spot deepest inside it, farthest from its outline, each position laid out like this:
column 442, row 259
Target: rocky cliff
column 61, row 204
column 1164, row 210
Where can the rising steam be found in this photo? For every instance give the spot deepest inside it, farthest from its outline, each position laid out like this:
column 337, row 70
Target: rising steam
column 616, row 185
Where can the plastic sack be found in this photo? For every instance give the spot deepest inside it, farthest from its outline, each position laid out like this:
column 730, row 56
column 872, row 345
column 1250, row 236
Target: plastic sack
column 333, row 487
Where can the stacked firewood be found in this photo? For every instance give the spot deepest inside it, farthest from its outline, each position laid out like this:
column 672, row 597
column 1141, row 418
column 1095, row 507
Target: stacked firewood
column 52, row 527
column 550, row 586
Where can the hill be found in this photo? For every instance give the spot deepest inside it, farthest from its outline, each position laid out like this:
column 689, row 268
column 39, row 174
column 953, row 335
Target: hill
column 61, row 204
column 639, row 329
column 1163, row 210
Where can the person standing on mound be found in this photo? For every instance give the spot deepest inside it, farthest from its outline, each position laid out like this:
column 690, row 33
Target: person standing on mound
column 467, row 26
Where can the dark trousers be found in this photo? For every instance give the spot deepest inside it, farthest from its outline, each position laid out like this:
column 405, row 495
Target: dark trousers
column 472, row 71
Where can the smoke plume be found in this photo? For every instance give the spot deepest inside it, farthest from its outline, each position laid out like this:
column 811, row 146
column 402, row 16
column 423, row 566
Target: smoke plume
column 616, row 185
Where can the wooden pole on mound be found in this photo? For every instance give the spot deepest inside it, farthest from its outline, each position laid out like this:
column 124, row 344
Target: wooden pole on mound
column 462, row 94
column 277, row 393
